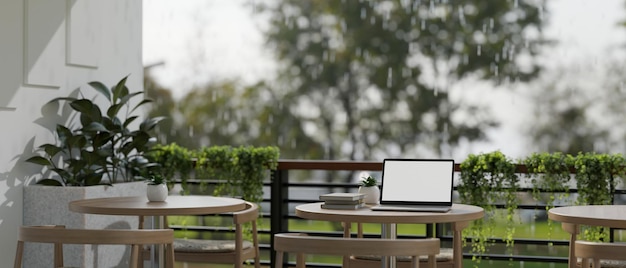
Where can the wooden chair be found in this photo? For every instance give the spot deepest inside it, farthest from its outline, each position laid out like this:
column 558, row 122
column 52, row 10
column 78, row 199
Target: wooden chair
column 235, row 251
column 59, row 235
column 303, row 244
column 599, row 253
column 444, row 257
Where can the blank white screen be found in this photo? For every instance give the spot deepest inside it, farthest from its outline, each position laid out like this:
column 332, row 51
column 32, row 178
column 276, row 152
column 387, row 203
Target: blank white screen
column 419, row 181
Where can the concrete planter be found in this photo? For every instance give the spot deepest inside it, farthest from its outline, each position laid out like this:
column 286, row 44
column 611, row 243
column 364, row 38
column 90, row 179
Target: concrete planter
column 48, row 205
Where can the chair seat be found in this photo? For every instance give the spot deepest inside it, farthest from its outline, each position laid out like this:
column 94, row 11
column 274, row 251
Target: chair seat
column 609, row 263
column 445, row 254
column 201, row 245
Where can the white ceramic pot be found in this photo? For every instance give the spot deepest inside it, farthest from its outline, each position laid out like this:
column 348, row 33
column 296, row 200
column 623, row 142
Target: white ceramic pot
column 372, row 194
column 157, row 193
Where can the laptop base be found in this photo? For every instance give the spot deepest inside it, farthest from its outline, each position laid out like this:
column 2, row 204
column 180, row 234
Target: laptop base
column 441, row 209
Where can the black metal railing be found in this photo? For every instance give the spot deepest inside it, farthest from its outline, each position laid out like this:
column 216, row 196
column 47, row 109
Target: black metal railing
column 278, row 207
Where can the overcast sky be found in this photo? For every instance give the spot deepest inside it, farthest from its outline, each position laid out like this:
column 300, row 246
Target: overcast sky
column 232, row 44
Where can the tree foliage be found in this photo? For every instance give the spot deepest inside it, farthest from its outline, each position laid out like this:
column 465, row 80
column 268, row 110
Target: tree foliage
column 373, row 78
column 367, row 79
column 578, row 110
column 232, row 114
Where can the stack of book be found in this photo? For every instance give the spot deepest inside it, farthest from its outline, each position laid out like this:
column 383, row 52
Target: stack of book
column 343, row 200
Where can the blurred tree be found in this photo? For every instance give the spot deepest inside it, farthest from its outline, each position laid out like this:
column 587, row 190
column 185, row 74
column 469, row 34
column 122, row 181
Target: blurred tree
column 561, row 124
column 371, row 79
column 579, row 107
column 573, row 112
column 227, row 113
column 173, row 128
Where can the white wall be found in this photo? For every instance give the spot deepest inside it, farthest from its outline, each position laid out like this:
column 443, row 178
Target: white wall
column 47, row 49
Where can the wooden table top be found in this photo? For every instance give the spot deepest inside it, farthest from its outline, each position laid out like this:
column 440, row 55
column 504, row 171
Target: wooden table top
column 594, row 215
column 174, row 205
column 458, row 213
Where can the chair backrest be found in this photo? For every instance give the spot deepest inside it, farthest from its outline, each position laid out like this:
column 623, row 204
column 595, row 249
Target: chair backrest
column 303, row 244
column 249, row 214
column 59, row 235
column 597, row 251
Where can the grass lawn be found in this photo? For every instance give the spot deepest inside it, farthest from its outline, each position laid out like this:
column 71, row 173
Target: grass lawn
column 536, row 230
column 541, row 230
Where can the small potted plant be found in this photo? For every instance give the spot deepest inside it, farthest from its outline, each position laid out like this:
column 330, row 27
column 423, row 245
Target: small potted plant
column 369, row 187
column 157, row 190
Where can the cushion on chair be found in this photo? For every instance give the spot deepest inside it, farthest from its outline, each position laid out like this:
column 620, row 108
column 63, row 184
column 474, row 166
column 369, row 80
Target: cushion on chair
column 201, row 245
column 445, row 254
column 608, row 263
column 612, row 263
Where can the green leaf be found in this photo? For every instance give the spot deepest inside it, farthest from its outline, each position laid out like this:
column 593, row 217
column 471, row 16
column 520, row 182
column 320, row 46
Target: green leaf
column 77, row 141
column 129, row 96
column 70, row 99
column 113, row 125
column 87, row 108
column 65, row 176
column 104, row 151
column 140, row 139
column 120, row 90
column 104, row 90
column 95, row 126
column 141, row 103
column 39, row 160
column 101, row 139
column 127, row 147
column 129, row 121
column 150, row 123
column 63, row 133
column 92, row 179
column 51, row 149
column 49, row 182
column 114, row 109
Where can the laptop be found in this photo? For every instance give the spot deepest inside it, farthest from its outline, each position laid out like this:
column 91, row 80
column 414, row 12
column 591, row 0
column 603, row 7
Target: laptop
column 423, row 185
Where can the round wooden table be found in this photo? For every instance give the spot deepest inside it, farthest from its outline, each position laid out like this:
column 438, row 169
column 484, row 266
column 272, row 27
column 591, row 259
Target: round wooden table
column 460, row 216
column 173, row 205
column 571, row 217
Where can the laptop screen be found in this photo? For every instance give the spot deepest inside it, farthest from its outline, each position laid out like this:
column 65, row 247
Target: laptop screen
column 417, row 181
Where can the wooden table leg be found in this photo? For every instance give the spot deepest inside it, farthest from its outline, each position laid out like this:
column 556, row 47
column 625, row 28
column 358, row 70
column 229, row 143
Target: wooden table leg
column 346, row 229
column 457, row 242
column 573, row 230
column 346, row 233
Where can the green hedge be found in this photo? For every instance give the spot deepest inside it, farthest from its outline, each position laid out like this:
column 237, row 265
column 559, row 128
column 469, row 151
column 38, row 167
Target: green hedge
column 242, row 169
column 492, row 178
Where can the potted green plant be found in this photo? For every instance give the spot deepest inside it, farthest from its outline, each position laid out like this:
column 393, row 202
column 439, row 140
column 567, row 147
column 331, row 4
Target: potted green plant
column 103, row 148
column 157, row 190
column 369, row 187
column 100, row 147
column 176, row 163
